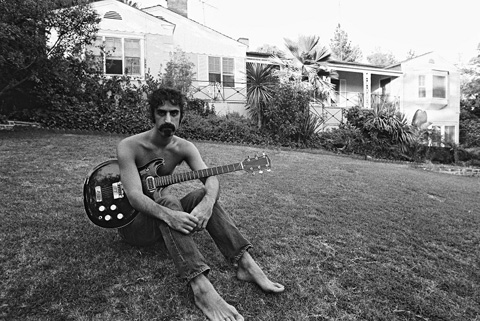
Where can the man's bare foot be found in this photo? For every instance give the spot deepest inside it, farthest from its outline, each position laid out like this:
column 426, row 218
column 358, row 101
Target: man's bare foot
column 211, row 303
column 248, row 270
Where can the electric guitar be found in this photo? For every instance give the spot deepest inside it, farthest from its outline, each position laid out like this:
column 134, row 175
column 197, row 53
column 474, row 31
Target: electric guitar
column 107, row 205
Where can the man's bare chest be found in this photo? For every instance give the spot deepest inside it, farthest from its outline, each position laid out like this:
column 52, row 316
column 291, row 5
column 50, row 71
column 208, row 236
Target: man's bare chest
column 167, row 159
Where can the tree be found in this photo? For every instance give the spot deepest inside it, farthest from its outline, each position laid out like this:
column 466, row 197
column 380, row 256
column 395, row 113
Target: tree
column 178, row 72
column 260, row 89
column 342, row 48
column 36, row 39
column 411, row 54
column 130, row 3
column 470, row 104
column 271, row 49
column 309, row 65
column 380, row 58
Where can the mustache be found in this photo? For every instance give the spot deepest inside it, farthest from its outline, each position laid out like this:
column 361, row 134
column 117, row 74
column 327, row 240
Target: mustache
column 167, row 126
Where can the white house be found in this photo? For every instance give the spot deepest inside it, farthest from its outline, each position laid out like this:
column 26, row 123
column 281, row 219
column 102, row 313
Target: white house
column 425, row 88
column 143, row 40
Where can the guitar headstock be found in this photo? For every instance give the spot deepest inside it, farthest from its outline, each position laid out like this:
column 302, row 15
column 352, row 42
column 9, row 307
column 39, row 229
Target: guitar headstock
column 257, row 163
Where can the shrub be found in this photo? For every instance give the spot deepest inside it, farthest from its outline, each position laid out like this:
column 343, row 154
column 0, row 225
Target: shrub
column 385, row 132
column 287, row 117
column 230, row 128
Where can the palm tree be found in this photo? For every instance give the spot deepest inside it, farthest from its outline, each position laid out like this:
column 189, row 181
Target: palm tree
column 130, row 3
column 260, row 87
column 310, row 58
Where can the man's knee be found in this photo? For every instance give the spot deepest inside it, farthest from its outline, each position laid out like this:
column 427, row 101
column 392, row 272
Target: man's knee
column 171, row 202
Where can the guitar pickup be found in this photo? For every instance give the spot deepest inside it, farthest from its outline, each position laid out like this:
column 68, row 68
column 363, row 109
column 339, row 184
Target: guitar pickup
column 150, row 183
column 117, row 190
column 98, row 194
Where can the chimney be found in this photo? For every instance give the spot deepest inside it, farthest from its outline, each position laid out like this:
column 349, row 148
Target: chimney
column 245, row 41
column 178, row 6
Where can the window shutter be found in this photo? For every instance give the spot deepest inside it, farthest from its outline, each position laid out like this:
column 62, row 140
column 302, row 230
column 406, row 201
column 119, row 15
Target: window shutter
column 202, row 72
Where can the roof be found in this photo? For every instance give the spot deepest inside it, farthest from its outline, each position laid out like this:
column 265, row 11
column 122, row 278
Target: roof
column 142, row 19
column 183, row 17
column 401, row 62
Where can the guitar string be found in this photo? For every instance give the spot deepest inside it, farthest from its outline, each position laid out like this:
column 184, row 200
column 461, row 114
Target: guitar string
column 181, row 177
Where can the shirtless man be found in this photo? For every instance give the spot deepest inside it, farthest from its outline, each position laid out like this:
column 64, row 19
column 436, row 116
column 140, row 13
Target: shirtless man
column 175, row 220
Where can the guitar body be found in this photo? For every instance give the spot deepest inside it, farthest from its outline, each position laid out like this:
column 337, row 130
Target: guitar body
column 105, row 202
column 104, row 199
column 107, row 205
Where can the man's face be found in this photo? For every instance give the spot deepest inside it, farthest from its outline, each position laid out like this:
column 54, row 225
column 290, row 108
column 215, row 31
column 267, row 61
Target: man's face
column 167, row 118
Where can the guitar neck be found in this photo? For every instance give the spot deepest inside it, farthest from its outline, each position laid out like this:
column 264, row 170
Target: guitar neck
column 202, row 173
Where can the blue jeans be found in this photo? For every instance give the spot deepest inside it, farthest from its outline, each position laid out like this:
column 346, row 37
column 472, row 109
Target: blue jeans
column 146, row 230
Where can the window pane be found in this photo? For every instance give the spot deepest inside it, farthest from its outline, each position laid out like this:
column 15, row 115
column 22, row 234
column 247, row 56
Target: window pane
column 450, row 134
column 132, row 48
column 214, row 78
column 228, row 81
column 114, row 66
column 439, row 89
column 436, row 135
column 227, row 65
column 113, row 47
column 132, row 66
column 422, row 93
column 214, row 65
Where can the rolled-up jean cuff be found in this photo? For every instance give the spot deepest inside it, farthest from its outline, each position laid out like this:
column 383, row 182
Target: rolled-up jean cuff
column 240, row 254
column 195, row 274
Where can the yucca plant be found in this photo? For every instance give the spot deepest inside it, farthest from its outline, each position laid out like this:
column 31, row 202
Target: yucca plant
column 260, row 89
column 390, row 126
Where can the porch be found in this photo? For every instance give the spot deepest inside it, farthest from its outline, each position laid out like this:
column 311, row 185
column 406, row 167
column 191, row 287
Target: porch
column 334, row 112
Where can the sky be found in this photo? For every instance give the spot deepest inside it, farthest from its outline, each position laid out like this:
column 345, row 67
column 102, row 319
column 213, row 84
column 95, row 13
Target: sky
column 451, row 28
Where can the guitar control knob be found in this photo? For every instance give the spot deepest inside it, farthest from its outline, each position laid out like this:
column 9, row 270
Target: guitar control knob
column 113, row 207
column 101, row 208
column 119, row 216
column 108, row 218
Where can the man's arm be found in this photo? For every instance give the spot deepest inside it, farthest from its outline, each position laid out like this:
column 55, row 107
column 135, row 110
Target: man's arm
column 203, row 211
column 180, row 221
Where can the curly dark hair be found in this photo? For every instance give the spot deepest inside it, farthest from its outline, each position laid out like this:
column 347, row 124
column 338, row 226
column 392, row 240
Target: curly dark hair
column 162, row 94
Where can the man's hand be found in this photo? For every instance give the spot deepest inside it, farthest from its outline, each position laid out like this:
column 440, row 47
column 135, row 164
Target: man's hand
column 203, row 212
column 182, row 221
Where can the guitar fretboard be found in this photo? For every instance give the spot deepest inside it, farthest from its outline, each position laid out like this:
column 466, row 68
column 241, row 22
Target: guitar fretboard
column 188, row 176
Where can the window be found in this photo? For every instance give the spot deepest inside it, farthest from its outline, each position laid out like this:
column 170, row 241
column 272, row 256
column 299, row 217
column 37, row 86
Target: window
column 422, row 91
column 436, row 136
column 221, row 71
column 214, row 72
column 97, row 54
column 118, row 56
column 132, row 56
column 439, row 87
column 228, row 75
column 450, row 134
column 114, row 59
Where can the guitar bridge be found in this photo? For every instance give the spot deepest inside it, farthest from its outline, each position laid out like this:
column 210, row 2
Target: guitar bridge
column 117, row 190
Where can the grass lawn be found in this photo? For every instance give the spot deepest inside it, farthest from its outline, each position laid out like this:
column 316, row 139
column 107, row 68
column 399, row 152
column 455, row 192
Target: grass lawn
column 350, row 239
